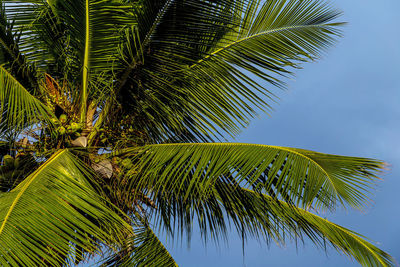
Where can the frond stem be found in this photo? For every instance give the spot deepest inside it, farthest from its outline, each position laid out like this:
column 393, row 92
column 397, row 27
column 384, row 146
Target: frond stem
column 287, row 28
column 26, row 185
column 85, row 66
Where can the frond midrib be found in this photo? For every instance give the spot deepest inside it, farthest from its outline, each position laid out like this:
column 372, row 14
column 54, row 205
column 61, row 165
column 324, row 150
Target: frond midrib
column 303, row 211
column 267, row 32
column 263, row 146
column 85, row 63
column 27, row 184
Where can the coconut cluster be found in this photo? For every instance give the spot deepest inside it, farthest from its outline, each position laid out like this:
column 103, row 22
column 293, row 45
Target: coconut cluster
column 66, row 126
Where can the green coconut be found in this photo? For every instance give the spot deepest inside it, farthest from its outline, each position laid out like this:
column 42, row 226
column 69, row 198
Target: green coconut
column 17, row 163
column 75, row 127
column 55, row 121
column 63, row 118
column 62, row 130
column 69, row 129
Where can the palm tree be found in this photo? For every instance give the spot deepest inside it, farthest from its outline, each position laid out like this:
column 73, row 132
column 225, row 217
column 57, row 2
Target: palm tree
column 110, row 110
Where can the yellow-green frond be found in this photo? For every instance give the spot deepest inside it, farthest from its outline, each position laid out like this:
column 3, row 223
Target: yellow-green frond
column 52, row 213
column 305, row 178
column 18, row 106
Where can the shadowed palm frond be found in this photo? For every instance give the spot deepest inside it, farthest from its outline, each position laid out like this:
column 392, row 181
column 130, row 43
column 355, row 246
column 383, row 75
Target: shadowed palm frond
column 202, row 64
column 145, row 87
column 143, row 248
column 94, row 28
column 13, row 53
column 54, row 211
column 149, row 250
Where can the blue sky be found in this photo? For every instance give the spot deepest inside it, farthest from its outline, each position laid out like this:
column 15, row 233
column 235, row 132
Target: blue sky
column 347, row 103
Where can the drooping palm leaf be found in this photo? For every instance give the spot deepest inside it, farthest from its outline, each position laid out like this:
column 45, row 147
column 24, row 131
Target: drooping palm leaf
column 18, row 106
column 259, row 215
column 143, row 248
column 52, row 212
column 214, row 182
column 284, row 222
column 304, row 177
column 149, row 250
column 13, row 54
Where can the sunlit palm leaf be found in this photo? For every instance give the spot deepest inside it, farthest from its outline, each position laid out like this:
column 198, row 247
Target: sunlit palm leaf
column 269, row 40
column 284, row 221
column 18, row 106
column 51, row 213
column 304, row 177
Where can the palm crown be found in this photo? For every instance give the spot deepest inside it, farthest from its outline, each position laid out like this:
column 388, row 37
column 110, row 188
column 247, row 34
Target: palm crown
column 110, row 110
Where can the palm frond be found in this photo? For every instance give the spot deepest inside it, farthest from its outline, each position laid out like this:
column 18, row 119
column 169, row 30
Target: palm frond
column 199, row 59
column 259, row 188
column 272, row 37
column 305, row 178
column 143, row 248
column 282, row 221
column 52, row 212
column 18, row 106
column 13, row 53
column 164, row 43
column 49, row 45
column 94, row 29
column 149, row 250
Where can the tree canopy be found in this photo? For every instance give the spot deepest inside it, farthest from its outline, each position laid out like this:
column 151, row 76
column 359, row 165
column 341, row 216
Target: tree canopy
column 112, row 118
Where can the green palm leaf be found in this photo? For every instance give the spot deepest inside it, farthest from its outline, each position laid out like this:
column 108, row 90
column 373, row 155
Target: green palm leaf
column 283, row 221
column 208, row 82
column 142, row 249
column 303, row 177
column 149, row 250
column 18, row 106
column 164, row 42
column 13, row 52
column 52, row 212
column 268, row 41
column 211, row 182
column 94, row 28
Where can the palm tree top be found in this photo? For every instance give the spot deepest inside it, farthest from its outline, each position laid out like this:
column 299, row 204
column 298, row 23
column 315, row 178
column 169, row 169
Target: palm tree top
column 110, row 113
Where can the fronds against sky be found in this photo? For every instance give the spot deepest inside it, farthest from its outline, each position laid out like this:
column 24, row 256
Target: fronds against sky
column 110, row 110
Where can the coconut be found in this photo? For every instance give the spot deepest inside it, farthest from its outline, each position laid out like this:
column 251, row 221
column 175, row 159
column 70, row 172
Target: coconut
column 63, row 118
column 61, row 130
column 75, row 127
